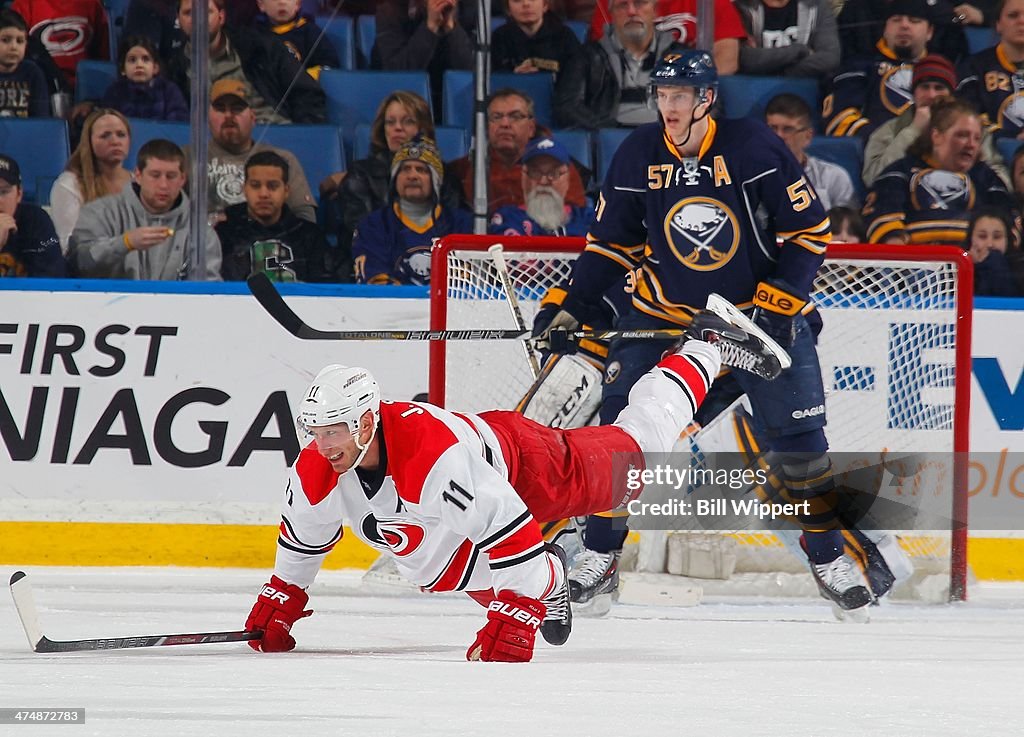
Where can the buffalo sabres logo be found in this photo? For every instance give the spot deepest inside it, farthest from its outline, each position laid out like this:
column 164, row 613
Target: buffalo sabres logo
column 702, row 233
column 895, row 91
column 1011, row 111
column 937, row 189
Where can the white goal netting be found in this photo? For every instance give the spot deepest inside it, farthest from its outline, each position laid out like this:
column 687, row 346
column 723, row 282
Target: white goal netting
column 895, row 343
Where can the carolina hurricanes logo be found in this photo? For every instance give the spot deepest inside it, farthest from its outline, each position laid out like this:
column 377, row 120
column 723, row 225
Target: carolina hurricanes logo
column 400, row 537
column 404, row 538
column 702, row 233
column 67, row 36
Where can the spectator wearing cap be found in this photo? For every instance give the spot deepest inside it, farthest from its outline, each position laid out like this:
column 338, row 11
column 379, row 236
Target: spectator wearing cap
column 934, row 78
column 990, row 79
column 546, row 165
column 511, row 125
column 28, row 241
column 231, row 121
column 861, row 22
column 872, row 89
column 392, row 244
column 790, row 118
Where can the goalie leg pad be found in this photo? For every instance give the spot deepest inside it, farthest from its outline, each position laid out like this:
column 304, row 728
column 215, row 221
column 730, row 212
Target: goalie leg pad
column 567, row 393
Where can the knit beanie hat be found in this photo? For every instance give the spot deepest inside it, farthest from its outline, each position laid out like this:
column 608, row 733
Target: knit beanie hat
column 420, row 148
column 934, row 68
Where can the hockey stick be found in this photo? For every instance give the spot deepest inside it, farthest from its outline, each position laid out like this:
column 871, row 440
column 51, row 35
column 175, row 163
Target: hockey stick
column 497, row 252
column 40, row 643
column 271, row 300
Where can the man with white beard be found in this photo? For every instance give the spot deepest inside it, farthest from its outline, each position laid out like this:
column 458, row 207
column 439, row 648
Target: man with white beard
column 546, row 164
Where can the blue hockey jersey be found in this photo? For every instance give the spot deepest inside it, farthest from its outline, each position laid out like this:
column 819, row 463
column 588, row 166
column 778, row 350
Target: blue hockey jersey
column 390, row 249
column 687, row 227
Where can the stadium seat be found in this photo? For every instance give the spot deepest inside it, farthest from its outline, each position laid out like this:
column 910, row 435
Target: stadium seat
column 457, row 102
column 40, row 146
column 366, row 34
column 579, row 144
column 746, row 95
column 117, row 11
column 144, row 130
column 608, row 140
column 1007, row 148
column 317, row 148
column 453, row 142
column 580, row 28
column 979, row 38
column 847, row 152
column 340, row 31
column 92, row 79
column 353, row 96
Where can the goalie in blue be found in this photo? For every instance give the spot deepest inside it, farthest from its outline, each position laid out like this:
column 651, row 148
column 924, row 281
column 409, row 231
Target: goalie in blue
column 692, row 206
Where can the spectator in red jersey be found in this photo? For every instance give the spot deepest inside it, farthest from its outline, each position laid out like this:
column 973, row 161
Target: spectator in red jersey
column 680, row 17
column 71, row 30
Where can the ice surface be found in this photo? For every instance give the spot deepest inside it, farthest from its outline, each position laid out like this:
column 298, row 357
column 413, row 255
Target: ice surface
column 376, row 665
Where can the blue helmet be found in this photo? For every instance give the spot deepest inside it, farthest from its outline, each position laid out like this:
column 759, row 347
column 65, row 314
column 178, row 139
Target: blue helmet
column 682, row 67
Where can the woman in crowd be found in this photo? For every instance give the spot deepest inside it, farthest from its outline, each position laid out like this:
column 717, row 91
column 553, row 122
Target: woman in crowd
column 364, row 188
column 927, row 196
column 95, row 169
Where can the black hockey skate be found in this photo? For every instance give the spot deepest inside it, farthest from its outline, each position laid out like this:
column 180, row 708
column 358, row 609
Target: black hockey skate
column 557, row 624
column 743, row 345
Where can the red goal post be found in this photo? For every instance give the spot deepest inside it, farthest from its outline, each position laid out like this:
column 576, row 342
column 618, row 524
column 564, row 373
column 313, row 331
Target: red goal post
column 897, row 318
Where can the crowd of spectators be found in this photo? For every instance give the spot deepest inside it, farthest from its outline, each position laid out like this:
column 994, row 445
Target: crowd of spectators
column 933, row 116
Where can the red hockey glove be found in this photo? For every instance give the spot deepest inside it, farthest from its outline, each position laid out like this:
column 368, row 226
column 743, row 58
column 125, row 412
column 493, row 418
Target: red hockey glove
column 512, row 624
column 277, row 608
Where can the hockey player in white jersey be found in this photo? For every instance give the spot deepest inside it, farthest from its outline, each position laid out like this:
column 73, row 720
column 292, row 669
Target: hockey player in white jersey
column 457, row 499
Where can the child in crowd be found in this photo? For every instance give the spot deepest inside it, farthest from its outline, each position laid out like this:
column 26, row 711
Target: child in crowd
column 140, row 91
column 998, row 262
column 299, row 33
column 532, row 40
column 847, row 225
column 23, row 92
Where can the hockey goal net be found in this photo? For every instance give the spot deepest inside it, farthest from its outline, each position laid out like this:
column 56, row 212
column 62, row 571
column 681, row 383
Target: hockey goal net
column 894, row 354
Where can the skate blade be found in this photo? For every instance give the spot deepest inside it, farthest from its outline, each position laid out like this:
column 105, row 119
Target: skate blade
column 599, row 606
column 728, row 312
column 851, row 616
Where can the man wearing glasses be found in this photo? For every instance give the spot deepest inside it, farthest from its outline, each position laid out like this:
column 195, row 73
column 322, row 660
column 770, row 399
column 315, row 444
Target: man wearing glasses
column 544, row 211
column 789, row 116
column 510, row 127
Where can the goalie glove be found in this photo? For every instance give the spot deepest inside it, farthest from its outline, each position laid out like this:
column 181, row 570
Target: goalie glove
column 554, row 338
column 776, row 305
column 278, row 606
column 511, row 629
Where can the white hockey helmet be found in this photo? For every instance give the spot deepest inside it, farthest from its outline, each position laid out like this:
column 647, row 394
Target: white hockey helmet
column 339, row 394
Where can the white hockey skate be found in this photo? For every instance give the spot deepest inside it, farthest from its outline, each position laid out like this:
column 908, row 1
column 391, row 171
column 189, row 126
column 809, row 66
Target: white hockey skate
column 743, row 344
column 594, row 582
